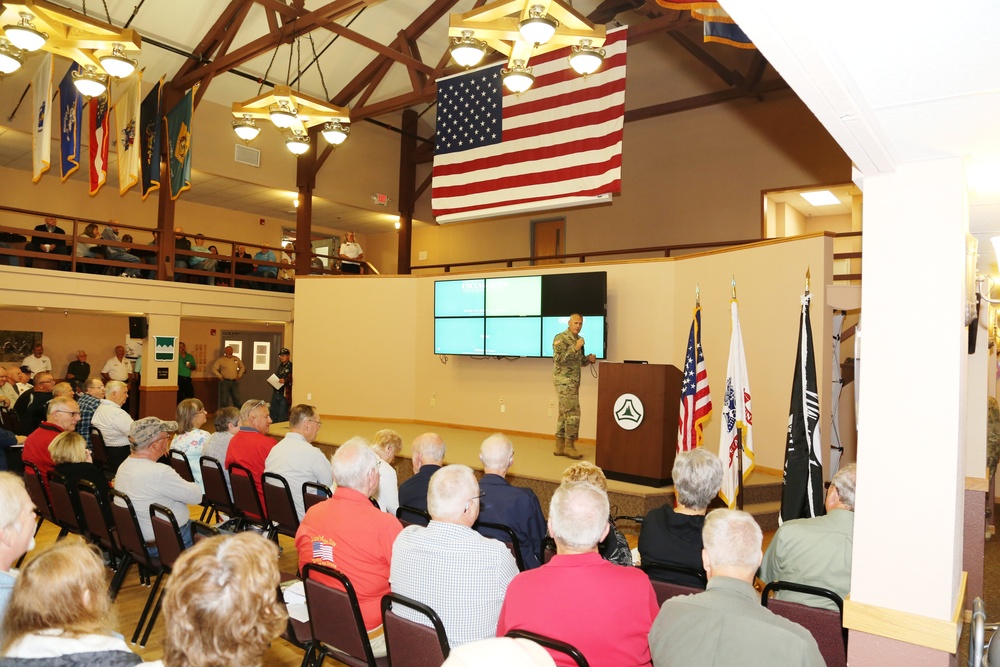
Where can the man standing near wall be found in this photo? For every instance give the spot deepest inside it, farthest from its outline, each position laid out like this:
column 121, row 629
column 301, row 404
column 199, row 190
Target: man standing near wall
column 185, row 364
column 567, row 359
column 229, row 369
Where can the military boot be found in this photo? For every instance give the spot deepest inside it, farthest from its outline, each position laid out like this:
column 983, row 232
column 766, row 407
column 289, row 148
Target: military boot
column 571, row 450
column 560, row 445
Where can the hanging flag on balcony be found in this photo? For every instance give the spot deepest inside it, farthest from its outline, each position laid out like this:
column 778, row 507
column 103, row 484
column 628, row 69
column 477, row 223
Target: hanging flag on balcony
column 127, row 145
column 70, row 119
column 719, row 26
column 179, row 144
column 99, row 135
column 558, row 144
column 696, row 398
column 41, row 119
column 149, row 129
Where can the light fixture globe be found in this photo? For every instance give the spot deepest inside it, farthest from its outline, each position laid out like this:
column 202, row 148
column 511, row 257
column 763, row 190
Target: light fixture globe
column 537, row 28
column 297, row 143
column 246, row 128
column 586, row 59
column 116, row 63
column 467, row 50
column 283, row 115
column 89, row 82
column 11, row 57
column 517, row 78
column 335, row 132
column 23, row 35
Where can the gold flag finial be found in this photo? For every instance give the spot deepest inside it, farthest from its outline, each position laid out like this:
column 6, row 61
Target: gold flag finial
column 734, row 286
column 697, row 294
column 807, row 280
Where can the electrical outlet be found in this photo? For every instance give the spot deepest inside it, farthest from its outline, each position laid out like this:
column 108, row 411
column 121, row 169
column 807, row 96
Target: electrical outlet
column 503, row 408
column 434, row 400
column 309, row 397
column 552, row 404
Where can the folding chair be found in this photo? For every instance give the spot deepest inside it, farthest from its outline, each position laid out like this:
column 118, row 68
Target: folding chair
column 409, row 643
column 101, row 530
column 280, row 506
column 36, row 491
column 825, row 625
column 65, row 507
column 313, row 494
column 136, row 550
column 410, row 516
column 201, row 530
column 678, row 575
column 505, row 534
column 335, row 622
column 217, row 494
column 179, row 462
column 99, row 452
column 245, row 499
column 170, row 544
column 552, row 644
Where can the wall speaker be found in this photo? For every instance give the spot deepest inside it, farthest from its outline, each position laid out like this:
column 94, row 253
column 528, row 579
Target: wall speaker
column 137, row 327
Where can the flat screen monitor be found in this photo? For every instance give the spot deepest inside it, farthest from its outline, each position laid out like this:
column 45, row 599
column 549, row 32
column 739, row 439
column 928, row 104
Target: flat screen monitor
column 592, row 332
column 514, row 297
column 514, row 336
column 459, row 335
column 460, row 298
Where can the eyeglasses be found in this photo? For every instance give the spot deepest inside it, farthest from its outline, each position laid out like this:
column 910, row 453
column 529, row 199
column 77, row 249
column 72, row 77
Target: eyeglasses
column 482, row 494
column 67, row 412
column 318, row 423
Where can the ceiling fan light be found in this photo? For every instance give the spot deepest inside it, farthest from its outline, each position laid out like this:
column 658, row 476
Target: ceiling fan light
column 116, row 63
column 89, row 82
column 11, row 57
column 537, row 28
column 467, row 50
column 335, row 132
column 297, row 143
column 517, row 78
column 283, row 115
column 246, row 128
column 23, row 35
column 586, row 59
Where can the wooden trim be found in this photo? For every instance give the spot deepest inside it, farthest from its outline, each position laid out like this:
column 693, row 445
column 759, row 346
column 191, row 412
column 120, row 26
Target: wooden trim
column 933, row 633
column 467, row 427
column 159, row 388
column 777, row 472
column 977, row 484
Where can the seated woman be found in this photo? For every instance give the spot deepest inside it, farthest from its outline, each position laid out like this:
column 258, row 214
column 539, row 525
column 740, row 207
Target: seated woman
column 60, row 613
column 673, row 535
column 221, row 605
column 73, row 461
column 614, row 548
column 190, row 438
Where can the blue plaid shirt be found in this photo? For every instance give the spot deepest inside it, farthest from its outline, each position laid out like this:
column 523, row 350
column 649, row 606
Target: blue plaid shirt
column 88, row 404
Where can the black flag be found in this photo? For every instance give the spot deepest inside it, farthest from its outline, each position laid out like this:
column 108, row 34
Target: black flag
column 802, row 492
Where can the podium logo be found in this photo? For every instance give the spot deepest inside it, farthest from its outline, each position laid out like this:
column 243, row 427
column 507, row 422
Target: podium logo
column 628, row 411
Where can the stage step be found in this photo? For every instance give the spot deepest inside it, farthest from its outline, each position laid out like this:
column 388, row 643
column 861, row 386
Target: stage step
column 766, row 514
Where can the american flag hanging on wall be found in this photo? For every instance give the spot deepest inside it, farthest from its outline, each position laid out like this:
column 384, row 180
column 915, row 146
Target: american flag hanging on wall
column 556, row 145
column 696, row 398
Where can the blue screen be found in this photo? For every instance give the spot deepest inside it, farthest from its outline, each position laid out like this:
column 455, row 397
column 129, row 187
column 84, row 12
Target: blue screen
column 459, row 298
column 458, row 335
column 592, row 332
column 509, row 297
column 513, row 336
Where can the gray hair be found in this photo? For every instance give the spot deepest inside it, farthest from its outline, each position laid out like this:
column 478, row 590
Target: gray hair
column 449, row 491
column 226, row 416
column 579, row 514
column 697, row 476
column 95, row 382
column 250, row 406
column 62, row 389
column 13, row 496
column 387, row 439
column 844, row 482
column 430, row 446
column 114, row 387
column 732, row 539
column 496, row 451
column 59, row 401
column 352, row 462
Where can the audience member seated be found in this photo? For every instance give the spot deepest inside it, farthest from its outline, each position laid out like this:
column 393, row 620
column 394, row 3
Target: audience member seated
column 181, row 242
column 613, row 547
column 145, row 481
column 227, row 424
column 449, row 567
column 190, row 438
column 428, row 457
column 38, row 407
column 8, row 388
column 350, row 534
column 605, row 611
column 118, row 253
column 60, row 613
column 23, row 382
column 52, row 246
column 294, row 457
column 250, row 446
column 63, row 414
column 72, row 458
column 673, row 535
column 242, row 268
column 8, row 439
column 386, row 444
column 512, row 506
column 89, row 401
column 202, row 263
column 726, row 625
column 265, row 254
column 86, row 248
column 500, row 652
column 816, row 552
column 114, row 423
column 17, row 532
column 32, row 404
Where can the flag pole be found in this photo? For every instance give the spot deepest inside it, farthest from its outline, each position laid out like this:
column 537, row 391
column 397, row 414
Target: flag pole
column 739, row 440
column 697, row 294
column 807, row 281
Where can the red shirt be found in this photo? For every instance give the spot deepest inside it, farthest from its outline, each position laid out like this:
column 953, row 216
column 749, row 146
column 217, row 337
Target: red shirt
column 250, row 448
column 36, row 449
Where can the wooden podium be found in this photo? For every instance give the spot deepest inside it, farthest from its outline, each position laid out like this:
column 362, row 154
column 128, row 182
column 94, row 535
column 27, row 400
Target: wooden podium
column 645, row 453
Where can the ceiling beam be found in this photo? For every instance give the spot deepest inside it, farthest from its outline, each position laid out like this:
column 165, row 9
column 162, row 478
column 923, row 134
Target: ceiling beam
column 701, row 101
column 729, row 76
column 230, row 20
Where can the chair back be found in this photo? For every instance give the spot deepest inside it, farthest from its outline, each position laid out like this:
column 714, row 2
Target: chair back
column 201, row 530
column 97, row 514
column 676, row 574
column 36, row 491
column 65, row 507
column 129, row 533
column 280, row 506
column 313, row 494
column 552, row 645
column 825, row 625
column 245, row 498
column 334, row 615
column 409, row 643
column 665, row 590
column 410, row 516
column 213, row 476
column 169, row 542
column 179, row 462
column 505, row 534
column 99, row 451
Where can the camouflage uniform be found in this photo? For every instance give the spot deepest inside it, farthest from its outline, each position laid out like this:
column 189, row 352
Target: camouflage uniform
column 566, row 364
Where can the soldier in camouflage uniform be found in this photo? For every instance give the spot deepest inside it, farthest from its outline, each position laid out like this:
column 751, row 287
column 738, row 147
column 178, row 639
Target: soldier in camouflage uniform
column 567, row 360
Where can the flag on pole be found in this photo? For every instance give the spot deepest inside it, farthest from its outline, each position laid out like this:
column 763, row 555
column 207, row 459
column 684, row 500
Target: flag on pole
column 802, row 489
column 126, row 146
column 558, row 144
column 99, row 141
column 149, row 122
column 41, row 118
column 179, row 144
column 836, row 447
column 737, row 416
column 70, row 115
column 696, row 399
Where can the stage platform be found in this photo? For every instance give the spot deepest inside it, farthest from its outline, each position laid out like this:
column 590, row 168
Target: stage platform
column 534, row 465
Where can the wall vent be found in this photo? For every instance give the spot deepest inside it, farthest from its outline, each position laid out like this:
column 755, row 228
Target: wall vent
column 247, row 155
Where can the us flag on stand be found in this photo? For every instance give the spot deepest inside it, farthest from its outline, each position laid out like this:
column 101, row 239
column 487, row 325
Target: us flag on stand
column 558, row 144
column 696, row 399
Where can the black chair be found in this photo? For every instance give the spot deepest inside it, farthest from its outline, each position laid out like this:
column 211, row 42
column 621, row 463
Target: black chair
column 663, row 571
column 217, row 494
column 179, row 462
column 505, row 534
column 409, row 643
column 664, row 590
column 99, row 452
column 335, row 622
column 201, row 530
column 552, row 644
column 410, row 516
column 280, row 506
column 825, row 625
column 170, row 544
column 36, row 491
column 101, row 529
column 245, row 499
column 135, row 549
column 313, row 494
column 66, row 504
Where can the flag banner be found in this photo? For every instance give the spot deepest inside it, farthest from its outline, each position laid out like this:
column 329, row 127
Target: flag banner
column 149, row 122
column 836, row 447
column 126, row 146
column 718, row 27
column 696, row 399
column 70, row 119
column 99, row 141
column 556, row 145
column 41, row 132
column 179, row 144
column 737, row 416
column 802, row 487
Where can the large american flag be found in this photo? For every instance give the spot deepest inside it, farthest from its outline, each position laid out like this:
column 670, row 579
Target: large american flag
column 696, row 399
column 556, row 145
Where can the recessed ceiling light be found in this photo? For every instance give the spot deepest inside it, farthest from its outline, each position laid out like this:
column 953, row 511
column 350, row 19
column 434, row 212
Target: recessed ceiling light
column 820, row 198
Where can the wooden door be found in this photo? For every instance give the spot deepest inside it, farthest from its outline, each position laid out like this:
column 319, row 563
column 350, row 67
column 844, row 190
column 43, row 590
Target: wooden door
column 548, row 237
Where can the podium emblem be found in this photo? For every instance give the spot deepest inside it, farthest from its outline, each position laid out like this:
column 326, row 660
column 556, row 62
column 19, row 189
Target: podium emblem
column 628, row 411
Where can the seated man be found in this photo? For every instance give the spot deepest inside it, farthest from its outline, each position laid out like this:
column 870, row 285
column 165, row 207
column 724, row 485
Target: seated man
column 295, row 459
column 17, row 531
column 350, row 534
column 251, row 446
column 816, row 552
column 114, row 423
column 428, row 455
column 54, row 246
column 36, row 412
column 8, row 389
column 602, row 609
column 449, row 567
column 118, row 253
column 201, row 263
column 145, row 481
column 29, row 402
column 89, row 400
column 63, row 414
column 726, row 625
column 512, row 506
